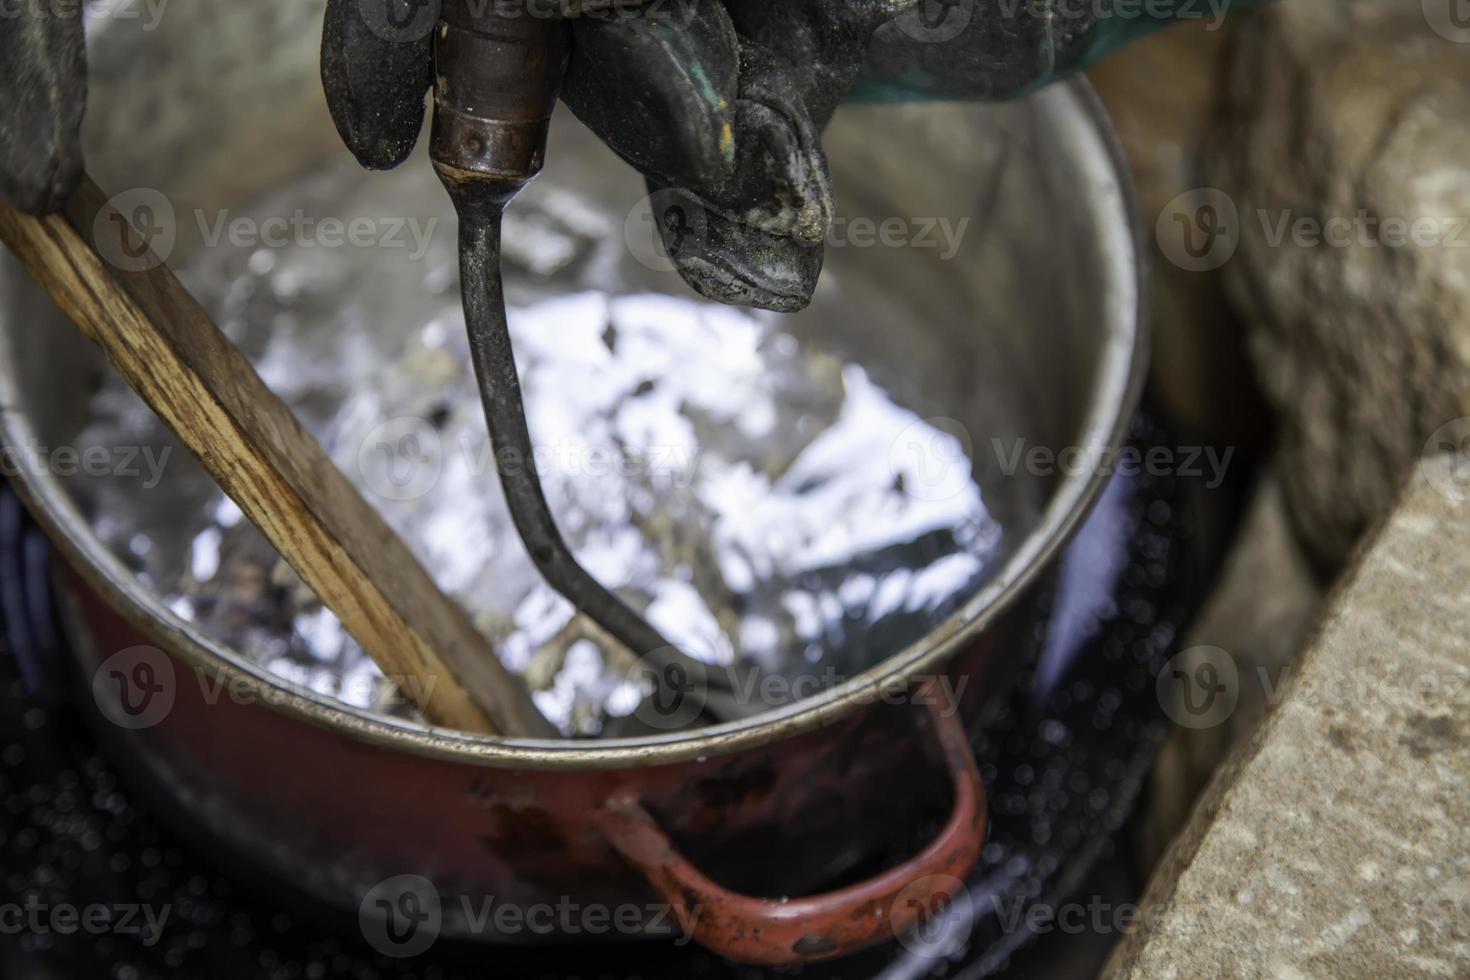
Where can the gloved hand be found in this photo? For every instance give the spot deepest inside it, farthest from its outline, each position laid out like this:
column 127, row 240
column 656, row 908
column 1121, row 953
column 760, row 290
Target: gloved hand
column 43, row 78
column 719, row 103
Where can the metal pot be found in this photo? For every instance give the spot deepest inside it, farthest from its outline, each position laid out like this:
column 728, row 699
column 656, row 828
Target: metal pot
column 401, row 821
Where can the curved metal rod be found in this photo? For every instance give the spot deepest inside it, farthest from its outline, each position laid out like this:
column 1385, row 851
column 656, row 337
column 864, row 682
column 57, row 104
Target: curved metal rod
column 500, row 391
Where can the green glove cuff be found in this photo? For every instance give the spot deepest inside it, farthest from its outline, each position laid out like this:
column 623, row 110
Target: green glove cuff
column 1131, row 20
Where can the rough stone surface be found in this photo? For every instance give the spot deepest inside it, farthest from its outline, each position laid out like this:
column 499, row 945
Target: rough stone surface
column 1335, row 845
column 1352, row 116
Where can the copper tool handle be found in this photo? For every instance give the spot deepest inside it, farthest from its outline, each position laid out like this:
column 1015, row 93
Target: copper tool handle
column 497, row 76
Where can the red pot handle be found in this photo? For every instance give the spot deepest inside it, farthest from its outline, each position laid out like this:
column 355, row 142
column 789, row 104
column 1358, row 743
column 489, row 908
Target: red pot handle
column 798, row 930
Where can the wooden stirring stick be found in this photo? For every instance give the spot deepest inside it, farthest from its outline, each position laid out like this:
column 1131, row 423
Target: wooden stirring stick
column 166, row 347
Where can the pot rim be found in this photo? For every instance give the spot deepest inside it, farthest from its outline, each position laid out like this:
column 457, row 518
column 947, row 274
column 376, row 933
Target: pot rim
column 1120, row 381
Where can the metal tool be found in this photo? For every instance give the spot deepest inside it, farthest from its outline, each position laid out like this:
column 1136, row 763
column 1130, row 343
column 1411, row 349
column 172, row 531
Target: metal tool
column 497, row 75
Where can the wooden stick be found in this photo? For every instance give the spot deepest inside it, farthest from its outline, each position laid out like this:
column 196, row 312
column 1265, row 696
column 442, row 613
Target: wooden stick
column 166, row 347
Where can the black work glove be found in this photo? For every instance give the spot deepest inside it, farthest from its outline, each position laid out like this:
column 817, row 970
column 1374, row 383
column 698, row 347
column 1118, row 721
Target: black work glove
column 43, row 93
column 719, row 103
column 724, row 117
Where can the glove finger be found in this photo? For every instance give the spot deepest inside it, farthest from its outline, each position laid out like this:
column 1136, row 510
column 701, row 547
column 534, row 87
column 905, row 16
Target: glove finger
column 799, row 59
column 377, row 68
column 726, row 185
column 759, row 237
column 727, row 259
column 657, row 88
column 723, row 113
column 44, row 58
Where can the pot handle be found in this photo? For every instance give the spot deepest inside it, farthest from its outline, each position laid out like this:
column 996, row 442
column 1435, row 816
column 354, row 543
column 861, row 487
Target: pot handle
column 779, row 932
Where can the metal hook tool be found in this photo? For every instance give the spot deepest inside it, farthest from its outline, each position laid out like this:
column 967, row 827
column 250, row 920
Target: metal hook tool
column 497, row 79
